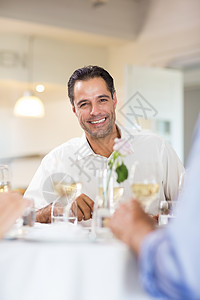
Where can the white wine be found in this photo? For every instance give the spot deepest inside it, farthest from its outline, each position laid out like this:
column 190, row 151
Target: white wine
column 117, row 194
column 145, row 193
column 69, row 190
column 5, row 187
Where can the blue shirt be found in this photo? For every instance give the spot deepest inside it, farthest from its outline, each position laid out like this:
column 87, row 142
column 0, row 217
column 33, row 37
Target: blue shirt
column 170, row 257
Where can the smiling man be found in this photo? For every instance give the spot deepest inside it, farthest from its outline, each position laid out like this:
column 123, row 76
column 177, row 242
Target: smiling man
column 94, row 102
column 93, row 98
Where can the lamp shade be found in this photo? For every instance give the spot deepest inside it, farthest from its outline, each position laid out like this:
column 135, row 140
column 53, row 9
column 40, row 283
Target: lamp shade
column 29, row 106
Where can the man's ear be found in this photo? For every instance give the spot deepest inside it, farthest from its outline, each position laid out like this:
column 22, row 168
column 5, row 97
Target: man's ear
column 115, row 99
column 74, row 110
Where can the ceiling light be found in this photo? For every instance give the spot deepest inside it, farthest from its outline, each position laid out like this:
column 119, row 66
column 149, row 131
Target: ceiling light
column 40, row 88
column 29, row 105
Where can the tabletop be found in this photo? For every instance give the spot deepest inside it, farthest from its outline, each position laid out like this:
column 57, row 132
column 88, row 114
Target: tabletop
column 82, row 270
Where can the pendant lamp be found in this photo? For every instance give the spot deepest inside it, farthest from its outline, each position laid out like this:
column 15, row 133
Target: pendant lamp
column 29, row 105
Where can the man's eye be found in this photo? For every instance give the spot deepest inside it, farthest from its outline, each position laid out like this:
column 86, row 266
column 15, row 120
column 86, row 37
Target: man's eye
column 82, row 105
column 103, row 100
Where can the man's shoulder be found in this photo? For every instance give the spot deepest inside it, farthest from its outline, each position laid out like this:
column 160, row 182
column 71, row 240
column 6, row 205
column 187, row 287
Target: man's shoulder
column 142, row 134
column 67, row 148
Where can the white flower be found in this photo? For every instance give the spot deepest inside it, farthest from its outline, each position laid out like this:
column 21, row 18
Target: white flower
column 122, row 146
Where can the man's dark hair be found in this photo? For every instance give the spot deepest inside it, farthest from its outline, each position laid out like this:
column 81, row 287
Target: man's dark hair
column 86, row 73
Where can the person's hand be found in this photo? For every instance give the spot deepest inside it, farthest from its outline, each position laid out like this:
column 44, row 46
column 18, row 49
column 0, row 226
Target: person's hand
column 131, row 224
column 12, row 206
column 84, row 207
column 43, row 215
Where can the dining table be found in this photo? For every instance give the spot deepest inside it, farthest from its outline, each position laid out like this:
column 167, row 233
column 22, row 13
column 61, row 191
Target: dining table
column 44, row 263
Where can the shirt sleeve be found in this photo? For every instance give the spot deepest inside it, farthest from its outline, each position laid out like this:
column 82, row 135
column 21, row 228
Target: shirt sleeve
column 169, row 258
column 40, row 183
column 172, row 168
column 160, row 271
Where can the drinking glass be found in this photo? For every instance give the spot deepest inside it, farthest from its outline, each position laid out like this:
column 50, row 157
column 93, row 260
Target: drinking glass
column 29, row 215
column 108, row 196
column 144, row 183
column 167, row 212
column 4, row 179
column 64, row 208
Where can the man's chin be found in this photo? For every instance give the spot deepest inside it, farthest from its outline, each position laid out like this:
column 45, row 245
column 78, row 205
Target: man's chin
column 100, row 133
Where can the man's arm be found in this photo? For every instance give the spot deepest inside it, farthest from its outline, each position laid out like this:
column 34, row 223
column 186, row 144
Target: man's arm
column 160, row 270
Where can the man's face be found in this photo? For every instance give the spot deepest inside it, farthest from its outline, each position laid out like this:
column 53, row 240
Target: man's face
column 94, row 107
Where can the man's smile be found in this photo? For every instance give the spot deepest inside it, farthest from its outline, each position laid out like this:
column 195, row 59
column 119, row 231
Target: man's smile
column 97, row 121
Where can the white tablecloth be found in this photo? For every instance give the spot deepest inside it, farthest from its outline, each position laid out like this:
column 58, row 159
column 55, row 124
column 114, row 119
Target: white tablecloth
column 68, row 271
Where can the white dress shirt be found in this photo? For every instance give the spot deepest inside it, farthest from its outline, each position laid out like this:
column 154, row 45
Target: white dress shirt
column 76, row 159
column 169, row 260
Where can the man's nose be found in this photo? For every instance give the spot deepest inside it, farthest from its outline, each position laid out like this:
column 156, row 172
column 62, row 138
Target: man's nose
column 94, row 110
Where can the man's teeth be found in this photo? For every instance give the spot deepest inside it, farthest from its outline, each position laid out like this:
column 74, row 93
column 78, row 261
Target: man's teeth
column 99, row 121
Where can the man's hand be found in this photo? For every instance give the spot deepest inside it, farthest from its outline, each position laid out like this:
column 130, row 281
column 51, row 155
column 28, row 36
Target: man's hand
column 84, row 210
column 43, row 215
column 84, row 207
column 12, row 206
column 131, row 224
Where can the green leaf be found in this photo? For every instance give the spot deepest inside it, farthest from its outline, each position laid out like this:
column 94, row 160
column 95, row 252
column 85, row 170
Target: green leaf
column 122, row 173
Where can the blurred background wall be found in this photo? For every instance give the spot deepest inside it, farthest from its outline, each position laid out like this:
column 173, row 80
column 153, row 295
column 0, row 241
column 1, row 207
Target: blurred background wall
column 133, row 39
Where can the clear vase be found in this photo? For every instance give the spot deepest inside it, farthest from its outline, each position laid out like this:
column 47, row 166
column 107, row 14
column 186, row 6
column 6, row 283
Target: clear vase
column 103, row 203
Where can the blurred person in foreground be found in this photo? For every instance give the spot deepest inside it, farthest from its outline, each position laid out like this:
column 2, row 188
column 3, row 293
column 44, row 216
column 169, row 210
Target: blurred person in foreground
column 169, row 257
column 12, row 206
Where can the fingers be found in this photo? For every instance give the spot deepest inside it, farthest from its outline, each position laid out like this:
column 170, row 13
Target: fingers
column 76, row 211
column 43, row 215
column 84, row 207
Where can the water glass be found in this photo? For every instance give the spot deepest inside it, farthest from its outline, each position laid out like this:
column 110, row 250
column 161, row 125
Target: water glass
column 29, row 215
column 63, row 211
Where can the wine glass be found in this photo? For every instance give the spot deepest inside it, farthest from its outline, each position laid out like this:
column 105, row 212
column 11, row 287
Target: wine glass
column 64, row 208
column 144, row 183
column 4, row 179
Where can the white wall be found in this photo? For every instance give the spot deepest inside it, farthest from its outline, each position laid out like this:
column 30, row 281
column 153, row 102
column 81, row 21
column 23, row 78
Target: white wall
column 169, row 37
column 192, row 110
column 54, row 61
column 158, row 91
column 170, row 33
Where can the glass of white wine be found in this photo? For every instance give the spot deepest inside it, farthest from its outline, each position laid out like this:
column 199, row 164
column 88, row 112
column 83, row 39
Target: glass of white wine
column 144, row 183
column 4, row 179
column 64, row 208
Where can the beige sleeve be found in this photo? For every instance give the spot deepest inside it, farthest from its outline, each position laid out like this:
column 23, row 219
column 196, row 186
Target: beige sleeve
column 173, row 168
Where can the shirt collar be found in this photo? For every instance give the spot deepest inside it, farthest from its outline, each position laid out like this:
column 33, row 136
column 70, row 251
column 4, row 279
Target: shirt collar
column 85, row 150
